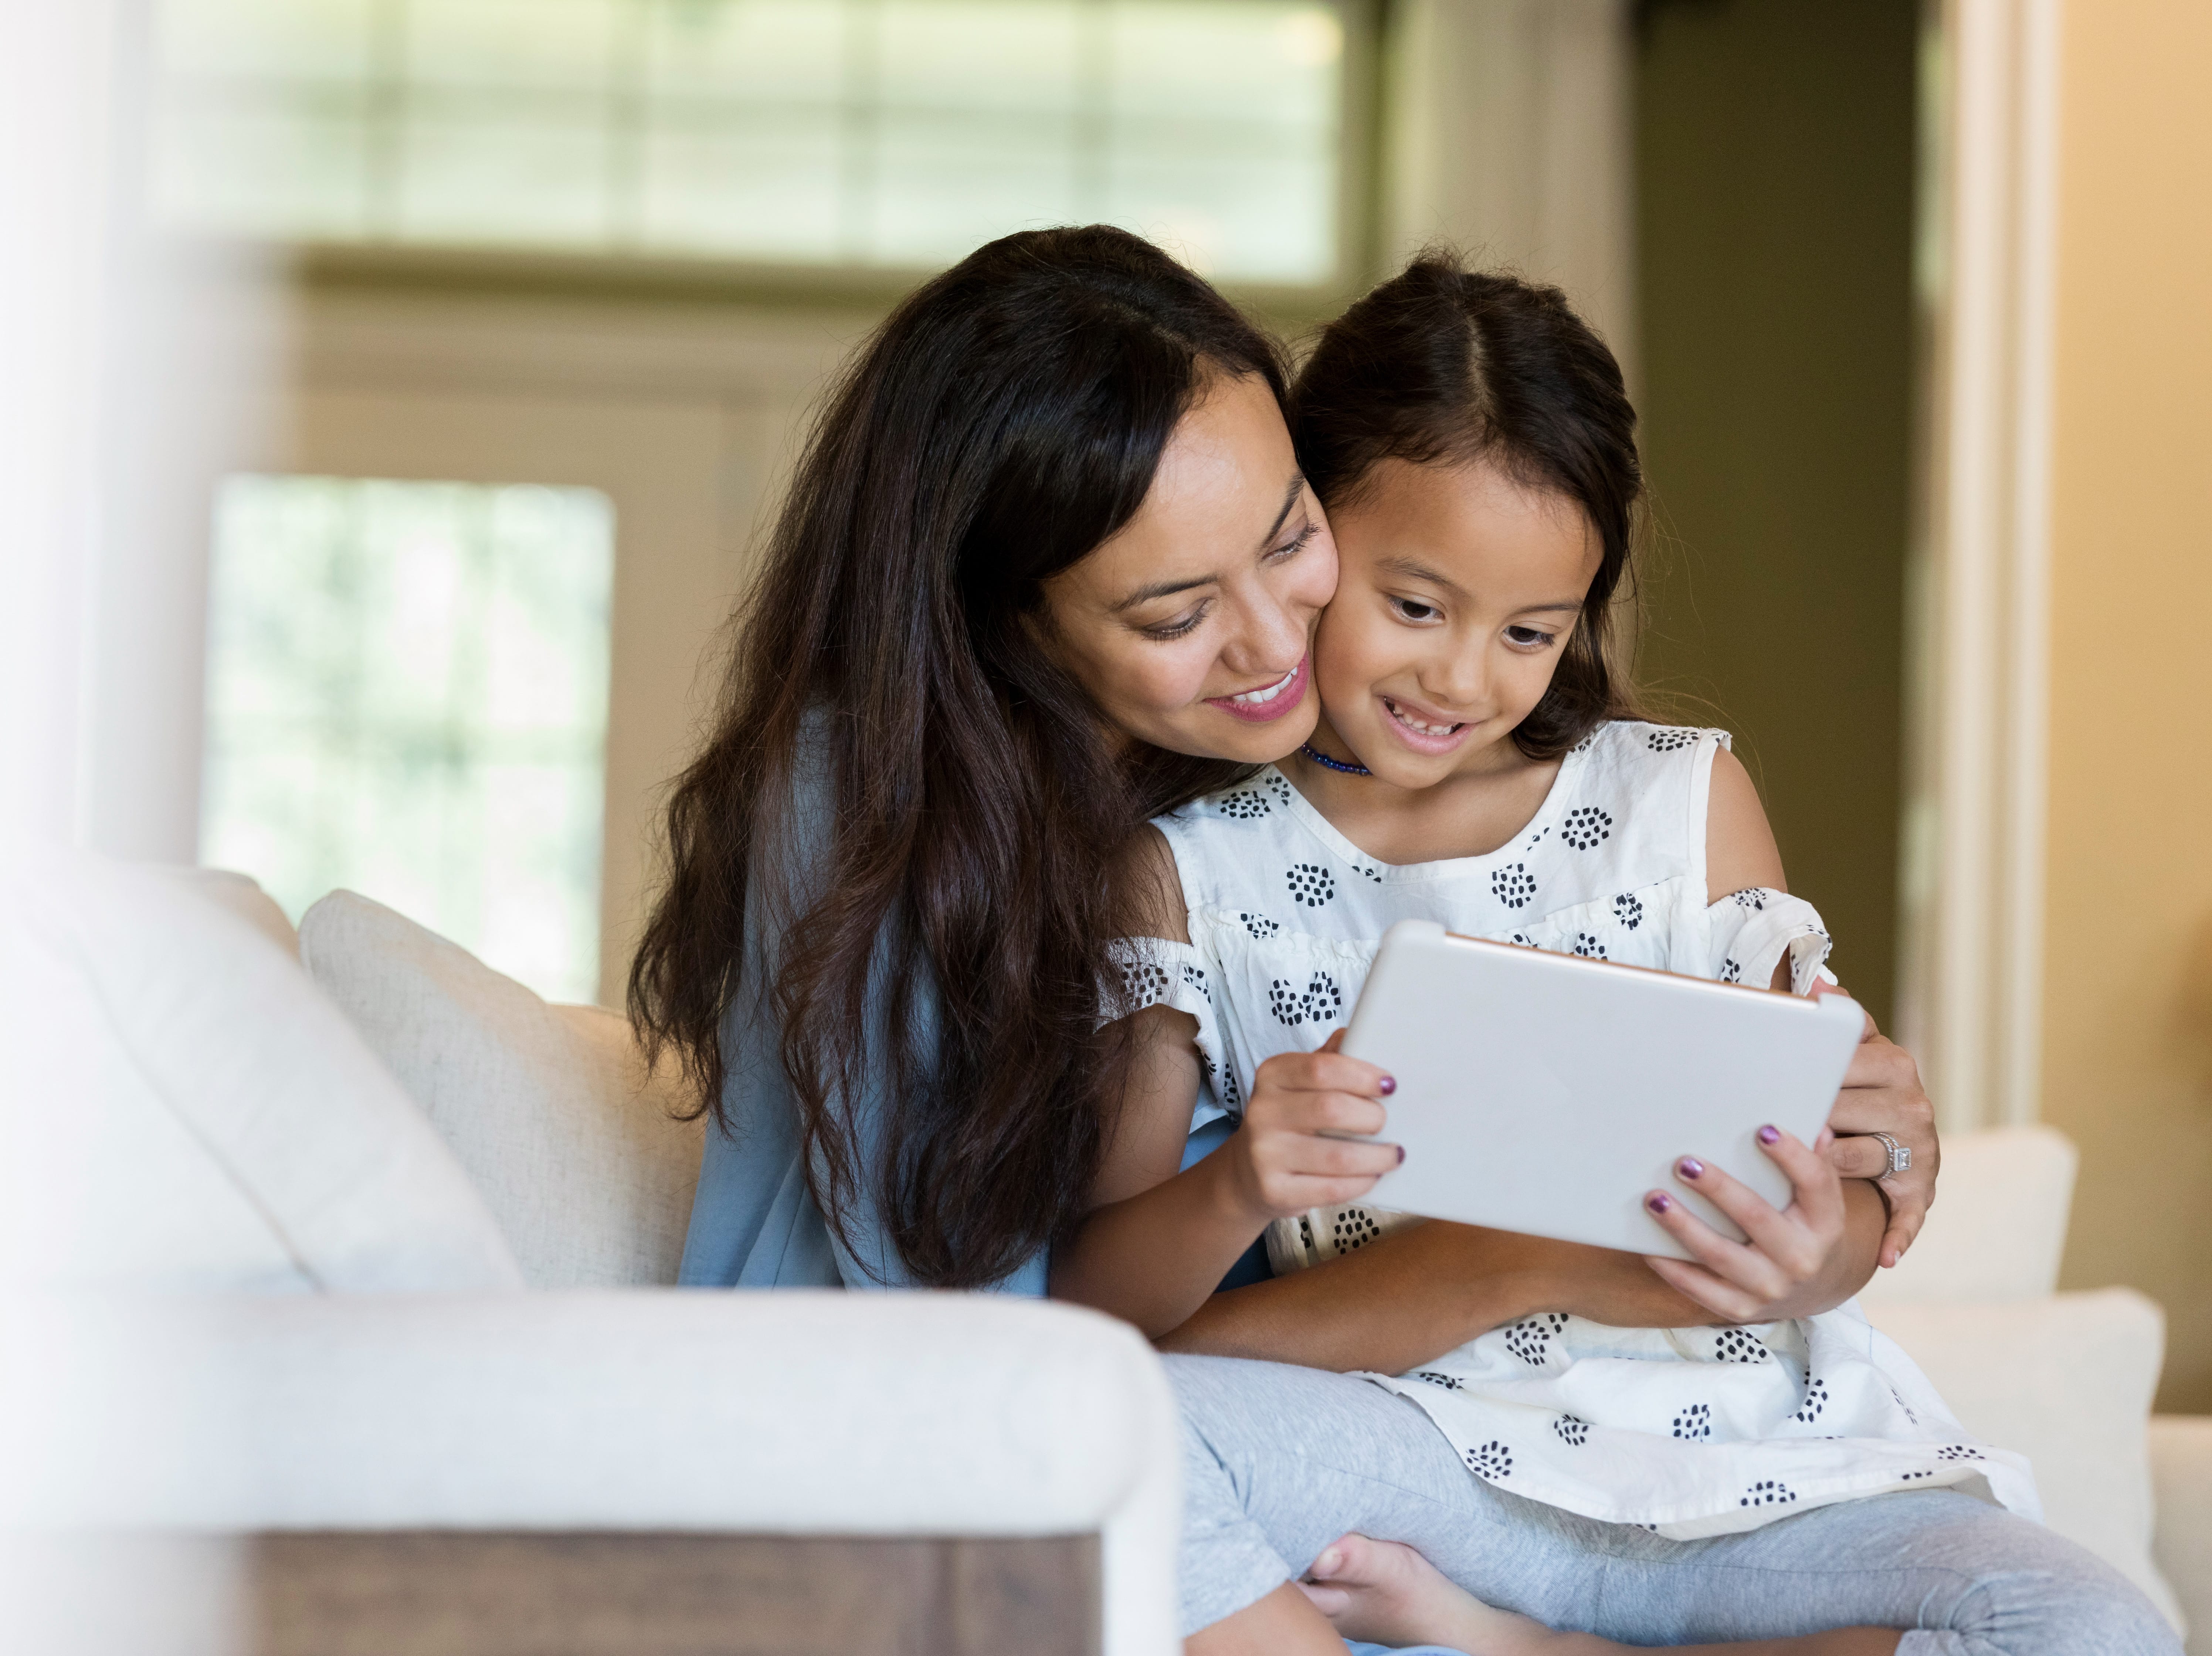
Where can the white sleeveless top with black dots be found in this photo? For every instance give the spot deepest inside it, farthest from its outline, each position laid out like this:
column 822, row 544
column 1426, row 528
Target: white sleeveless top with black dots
column 1690, row 1432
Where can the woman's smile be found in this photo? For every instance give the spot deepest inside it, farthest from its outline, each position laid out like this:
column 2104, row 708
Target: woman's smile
column 1269, row 701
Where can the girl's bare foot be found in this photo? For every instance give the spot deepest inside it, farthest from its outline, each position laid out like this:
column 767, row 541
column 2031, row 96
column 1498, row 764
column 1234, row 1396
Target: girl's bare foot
column 1388, row 1593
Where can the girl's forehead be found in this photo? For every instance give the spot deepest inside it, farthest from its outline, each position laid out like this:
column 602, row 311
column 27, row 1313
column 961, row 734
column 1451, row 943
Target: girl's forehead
column 1470, row 524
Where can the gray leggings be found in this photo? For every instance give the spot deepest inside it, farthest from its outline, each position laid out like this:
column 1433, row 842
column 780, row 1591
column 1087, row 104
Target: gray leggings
column 1280, row 1461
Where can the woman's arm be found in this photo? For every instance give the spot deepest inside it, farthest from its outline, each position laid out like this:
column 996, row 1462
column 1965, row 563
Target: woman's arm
column 1882, row 1093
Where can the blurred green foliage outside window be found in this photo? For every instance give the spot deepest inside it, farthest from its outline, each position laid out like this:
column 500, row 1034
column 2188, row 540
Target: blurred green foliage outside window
column 407, row 697
column 891, row 133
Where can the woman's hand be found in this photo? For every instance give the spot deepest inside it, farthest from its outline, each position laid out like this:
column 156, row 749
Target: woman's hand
column 1797, row 1262
column 1297, row 1148
column 1882, row 1094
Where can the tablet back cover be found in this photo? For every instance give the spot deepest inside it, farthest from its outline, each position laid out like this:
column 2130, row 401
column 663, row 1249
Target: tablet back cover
column 1548, row 1095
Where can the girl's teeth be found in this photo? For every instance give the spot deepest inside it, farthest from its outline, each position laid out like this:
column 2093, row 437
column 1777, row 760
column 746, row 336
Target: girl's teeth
column 1252, row 698
column 1413, row 723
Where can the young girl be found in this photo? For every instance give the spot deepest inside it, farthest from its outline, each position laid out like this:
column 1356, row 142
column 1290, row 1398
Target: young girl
column 1479, row 762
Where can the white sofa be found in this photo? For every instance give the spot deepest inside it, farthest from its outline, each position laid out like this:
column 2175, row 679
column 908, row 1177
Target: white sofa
column 379, row 1245
column 253, row 1290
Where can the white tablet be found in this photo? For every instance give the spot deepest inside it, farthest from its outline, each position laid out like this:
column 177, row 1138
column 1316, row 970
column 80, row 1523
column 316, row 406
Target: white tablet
column 1549, row 1095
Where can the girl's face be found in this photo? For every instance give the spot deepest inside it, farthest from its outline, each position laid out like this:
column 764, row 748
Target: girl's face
column 1460, row 588
column 1193, row 626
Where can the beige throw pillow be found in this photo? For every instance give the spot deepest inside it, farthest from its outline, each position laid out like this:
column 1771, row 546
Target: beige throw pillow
column 189, row 1115
column 2067, row 1382
column 573, row 1145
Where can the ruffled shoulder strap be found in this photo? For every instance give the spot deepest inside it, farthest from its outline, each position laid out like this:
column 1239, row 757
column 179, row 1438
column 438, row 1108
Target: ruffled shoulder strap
column 1157, row 971
column 1748, row 932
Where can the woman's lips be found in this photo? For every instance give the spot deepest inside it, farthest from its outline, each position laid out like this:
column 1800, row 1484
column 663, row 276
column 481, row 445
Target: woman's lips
column 1420, row 729
column 1269, row 702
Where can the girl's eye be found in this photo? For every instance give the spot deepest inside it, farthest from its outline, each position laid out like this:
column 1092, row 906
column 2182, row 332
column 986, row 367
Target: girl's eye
column 1414, row 609
column 1528, row 638
column 1175, row 629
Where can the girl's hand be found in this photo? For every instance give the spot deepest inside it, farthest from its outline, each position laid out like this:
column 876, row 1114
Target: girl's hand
column 1883, row 1094
column 1295, row 1151
column 1794, row 1265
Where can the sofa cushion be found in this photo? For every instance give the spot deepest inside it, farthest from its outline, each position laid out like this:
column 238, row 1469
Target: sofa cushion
column 2067, row 1382
column 2181, row 1539
column 200, row 1118
column 1998, row 1224
column 574, row 1146
column 242, row 893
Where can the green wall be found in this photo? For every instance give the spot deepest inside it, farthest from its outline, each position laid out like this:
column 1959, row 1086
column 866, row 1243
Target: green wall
column 1775, row 165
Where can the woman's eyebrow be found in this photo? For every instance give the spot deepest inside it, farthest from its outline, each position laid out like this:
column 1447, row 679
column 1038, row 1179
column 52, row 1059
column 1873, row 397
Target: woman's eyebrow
column 1289, row 499
column 1160, row 588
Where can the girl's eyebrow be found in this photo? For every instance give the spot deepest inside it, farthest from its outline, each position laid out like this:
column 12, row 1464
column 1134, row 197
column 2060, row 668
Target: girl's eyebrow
column 1410, row 570
column 1419, row 571
column 1162, row 589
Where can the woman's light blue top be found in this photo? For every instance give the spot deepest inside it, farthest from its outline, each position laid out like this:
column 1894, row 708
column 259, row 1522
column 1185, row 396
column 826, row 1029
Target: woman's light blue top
column 753, row 1225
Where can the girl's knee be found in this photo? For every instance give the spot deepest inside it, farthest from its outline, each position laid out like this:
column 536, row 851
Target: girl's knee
column 2088, row 1609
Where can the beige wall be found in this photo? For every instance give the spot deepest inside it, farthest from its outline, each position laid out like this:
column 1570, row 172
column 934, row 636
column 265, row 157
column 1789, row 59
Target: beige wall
column 2128, row 998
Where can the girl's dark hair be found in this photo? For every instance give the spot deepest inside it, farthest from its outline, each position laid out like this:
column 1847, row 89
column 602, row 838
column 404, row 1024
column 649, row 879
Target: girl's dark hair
column 1442, row 365
column 1004, row 421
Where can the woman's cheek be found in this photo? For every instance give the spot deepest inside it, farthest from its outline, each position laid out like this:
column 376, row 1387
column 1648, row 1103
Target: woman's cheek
column 1165, row 682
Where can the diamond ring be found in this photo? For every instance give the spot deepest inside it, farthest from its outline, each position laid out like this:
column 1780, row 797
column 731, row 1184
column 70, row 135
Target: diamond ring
column 1900, row 1158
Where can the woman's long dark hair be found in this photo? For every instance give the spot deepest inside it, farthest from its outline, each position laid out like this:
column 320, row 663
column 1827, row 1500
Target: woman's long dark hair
column 1004, row 421
column 1442, row 365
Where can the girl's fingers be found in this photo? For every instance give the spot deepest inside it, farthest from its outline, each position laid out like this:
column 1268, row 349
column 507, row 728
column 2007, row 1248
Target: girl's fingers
column 1334, row 1043
column 1792, row 1240
column 1349, row 1114
column 1338, row 1158
column 1723, row 1299
column 1324, row 1071
column 1745, row 1268
column 1328, row 1192
column 1818, row 1193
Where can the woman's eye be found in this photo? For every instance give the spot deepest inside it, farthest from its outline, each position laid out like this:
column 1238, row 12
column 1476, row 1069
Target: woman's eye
column 1296, row 544
column 1178, row 626
column 1528, row 638
column 1414, row 609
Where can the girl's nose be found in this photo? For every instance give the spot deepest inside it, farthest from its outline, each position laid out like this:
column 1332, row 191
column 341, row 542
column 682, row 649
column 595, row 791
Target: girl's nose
column 1459, row 677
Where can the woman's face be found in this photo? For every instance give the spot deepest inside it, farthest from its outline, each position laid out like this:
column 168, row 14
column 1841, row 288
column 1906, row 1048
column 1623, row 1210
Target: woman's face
column 1192, row 626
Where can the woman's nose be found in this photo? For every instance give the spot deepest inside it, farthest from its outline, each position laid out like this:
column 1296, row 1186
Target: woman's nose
column 1272, row 638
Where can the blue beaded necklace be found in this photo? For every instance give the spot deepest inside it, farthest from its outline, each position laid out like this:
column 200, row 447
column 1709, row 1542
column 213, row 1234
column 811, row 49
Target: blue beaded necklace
column 1323, row 759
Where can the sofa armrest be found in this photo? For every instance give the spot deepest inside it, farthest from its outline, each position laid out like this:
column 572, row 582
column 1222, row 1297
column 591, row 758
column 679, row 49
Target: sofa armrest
column 785, row 1413
column 2181, row 1534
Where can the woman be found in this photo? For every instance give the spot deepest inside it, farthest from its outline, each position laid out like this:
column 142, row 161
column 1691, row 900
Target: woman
column 961, row 684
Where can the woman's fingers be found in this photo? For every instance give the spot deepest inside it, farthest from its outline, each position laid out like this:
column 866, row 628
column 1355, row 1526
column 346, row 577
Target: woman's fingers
column 1883, row 1094
column 1857, row 1156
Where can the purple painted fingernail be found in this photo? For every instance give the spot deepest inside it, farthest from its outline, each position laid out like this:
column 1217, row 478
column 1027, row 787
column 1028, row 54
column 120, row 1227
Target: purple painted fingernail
column 1769, row 1136
column 1401, row 1155
column 1690, row 1168
column 1659, row 1201
column 1387, row 1086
